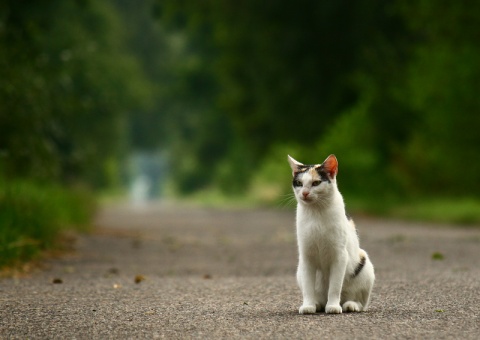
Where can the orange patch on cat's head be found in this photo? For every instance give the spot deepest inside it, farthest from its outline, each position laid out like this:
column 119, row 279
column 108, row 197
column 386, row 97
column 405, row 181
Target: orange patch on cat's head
column 314, row 173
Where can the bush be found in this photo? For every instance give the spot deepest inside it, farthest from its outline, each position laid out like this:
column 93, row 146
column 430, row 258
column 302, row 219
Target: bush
column 32, row 215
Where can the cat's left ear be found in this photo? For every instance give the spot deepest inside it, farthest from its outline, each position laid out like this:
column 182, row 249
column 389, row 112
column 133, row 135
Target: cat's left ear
column 294, row 165
column 331, row 166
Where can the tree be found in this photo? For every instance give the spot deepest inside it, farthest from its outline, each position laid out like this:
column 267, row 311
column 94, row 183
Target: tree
column 67, row 84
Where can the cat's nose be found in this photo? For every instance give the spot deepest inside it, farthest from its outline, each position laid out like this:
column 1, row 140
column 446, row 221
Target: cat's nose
column 305, row 194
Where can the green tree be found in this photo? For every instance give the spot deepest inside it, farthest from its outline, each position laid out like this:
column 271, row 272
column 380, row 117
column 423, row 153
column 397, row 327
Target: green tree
column 284, row 72
column 389, row 85
column 66, row 86
column 441, row 87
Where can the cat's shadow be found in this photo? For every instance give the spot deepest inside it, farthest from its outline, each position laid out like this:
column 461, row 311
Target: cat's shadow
column 294, row 313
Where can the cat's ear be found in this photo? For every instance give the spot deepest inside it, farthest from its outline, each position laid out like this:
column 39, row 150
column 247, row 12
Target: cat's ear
column 331, row 166
column 294, row 165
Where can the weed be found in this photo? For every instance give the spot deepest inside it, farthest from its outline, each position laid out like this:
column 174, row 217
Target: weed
column 437, row 256
column 32, row 215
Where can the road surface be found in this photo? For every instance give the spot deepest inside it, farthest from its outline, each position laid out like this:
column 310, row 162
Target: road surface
column 187, row 272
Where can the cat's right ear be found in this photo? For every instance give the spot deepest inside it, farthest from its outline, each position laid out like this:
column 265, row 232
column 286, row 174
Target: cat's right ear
column 331, row 166
column 294, row 165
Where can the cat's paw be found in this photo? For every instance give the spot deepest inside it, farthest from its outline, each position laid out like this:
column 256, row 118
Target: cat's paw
column 333, row 309
column 306, row 309
column 351, row 306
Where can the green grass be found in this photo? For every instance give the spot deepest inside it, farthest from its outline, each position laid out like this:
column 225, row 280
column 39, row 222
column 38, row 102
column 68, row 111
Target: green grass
column 213, row 197
column 465, row 211
column 459, row 211
column 32, row 215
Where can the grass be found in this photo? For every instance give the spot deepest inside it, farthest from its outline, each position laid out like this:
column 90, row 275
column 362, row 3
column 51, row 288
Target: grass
column 464, row 211
column 446, row 210
column 33, row 215
column 459, row 211
column 214, row 198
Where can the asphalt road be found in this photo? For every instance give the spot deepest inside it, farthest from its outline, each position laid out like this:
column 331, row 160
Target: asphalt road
column 176, row 273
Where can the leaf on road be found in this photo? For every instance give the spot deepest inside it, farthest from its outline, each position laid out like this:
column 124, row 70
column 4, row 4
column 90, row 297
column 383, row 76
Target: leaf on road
column 139, row 278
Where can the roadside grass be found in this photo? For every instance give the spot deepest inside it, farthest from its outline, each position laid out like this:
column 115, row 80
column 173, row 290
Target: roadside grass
column 464, row 211
column 214, row 198
column 33, row 215
column 460, row 211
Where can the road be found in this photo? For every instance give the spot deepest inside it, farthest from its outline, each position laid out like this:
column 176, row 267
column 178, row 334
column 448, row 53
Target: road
column 187, row 272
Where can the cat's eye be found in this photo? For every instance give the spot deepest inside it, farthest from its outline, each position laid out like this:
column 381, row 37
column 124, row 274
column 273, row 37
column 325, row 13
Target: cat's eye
column 297, row 183
column 315, row 183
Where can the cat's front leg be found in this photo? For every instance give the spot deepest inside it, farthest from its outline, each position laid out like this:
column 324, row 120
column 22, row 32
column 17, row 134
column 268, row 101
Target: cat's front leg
column 321, row 290
column 337, row 274
column 306, row 280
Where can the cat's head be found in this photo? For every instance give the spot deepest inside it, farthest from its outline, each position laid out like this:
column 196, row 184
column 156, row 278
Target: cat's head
column 314, row 183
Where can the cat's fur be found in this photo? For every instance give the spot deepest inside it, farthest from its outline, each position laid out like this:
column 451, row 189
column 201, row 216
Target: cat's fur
column 333, row 273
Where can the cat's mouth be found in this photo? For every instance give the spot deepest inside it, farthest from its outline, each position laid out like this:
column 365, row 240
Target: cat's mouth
column 307, row 199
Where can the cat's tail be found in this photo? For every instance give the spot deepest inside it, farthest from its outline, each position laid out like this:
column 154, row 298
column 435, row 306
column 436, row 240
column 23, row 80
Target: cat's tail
column 367, row 279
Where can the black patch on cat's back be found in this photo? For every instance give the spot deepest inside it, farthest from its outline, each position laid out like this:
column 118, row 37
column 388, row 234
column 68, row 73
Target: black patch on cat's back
column 360, row 266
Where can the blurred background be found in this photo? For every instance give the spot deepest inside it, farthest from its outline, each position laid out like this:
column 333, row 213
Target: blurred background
column 203, row 100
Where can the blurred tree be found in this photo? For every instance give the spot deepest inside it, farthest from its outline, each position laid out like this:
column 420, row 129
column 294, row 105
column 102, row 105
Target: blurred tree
column 390, row 85
column 418, row 85
column 286, row 71
column 281, row 65
column 66, row 84
column 183, row 116
column 441, row 85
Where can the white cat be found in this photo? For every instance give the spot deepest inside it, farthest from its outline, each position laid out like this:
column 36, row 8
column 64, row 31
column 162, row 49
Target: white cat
column 333, row 272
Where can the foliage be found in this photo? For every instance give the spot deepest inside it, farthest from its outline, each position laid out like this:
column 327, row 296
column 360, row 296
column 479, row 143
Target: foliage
column 32, row 215
column 390, row 87
column 227, row 88
column 66, row 87
column 463, row 211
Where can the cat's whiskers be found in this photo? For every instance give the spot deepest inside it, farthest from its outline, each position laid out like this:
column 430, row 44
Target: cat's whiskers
column 287, row 200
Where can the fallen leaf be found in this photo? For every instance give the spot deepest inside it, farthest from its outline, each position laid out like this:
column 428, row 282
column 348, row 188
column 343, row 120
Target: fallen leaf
column 139, row 278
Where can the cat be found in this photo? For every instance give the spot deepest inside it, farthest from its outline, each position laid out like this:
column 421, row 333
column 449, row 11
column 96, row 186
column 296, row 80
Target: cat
column 333, row 273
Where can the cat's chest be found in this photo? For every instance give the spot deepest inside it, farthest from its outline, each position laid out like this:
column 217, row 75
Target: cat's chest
column 319, row 233
column 319, row 238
